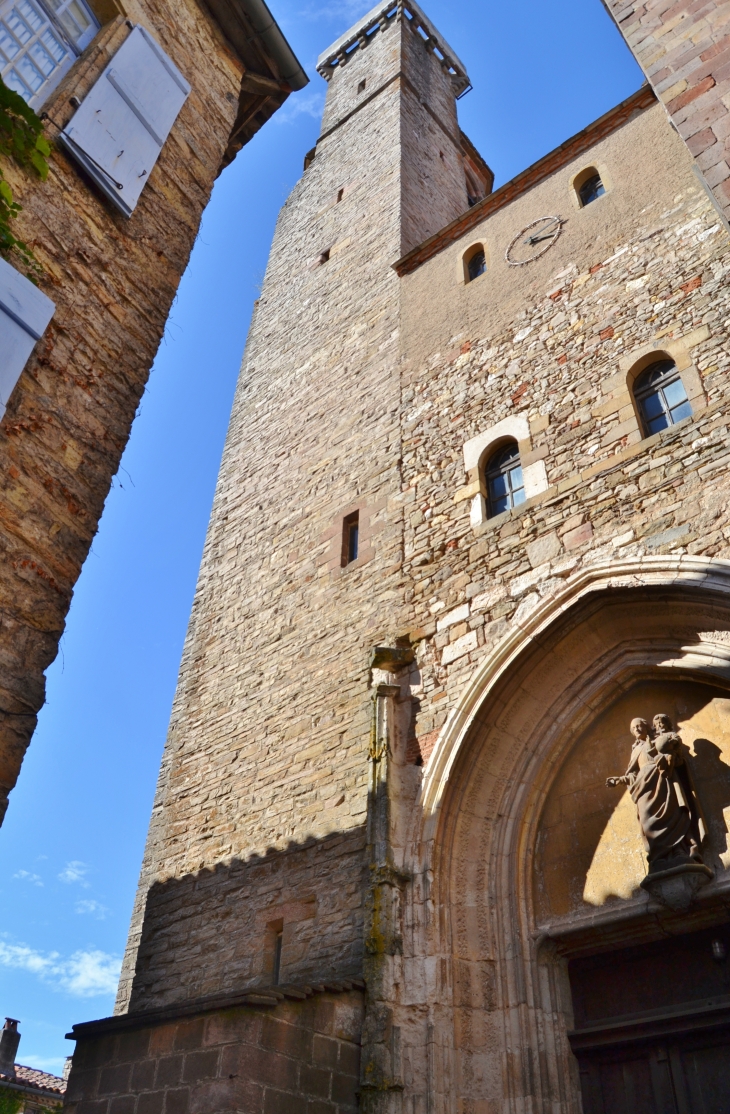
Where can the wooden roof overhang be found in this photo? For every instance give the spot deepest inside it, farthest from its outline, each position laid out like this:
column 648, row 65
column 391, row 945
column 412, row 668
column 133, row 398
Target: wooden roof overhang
column 271, row 69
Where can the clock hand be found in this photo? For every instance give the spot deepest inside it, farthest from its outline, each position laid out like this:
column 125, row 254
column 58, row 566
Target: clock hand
column 544, row 233
column 537, row 239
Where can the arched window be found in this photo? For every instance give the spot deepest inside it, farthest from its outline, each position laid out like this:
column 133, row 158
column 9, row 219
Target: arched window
column 591, row 188
column 475, row 263
column 505, row 485
column 661, row 397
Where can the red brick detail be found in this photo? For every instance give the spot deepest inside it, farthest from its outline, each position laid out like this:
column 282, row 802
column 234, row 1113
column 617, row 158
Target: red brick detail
column 691, row 285
column 519, row 393
column 701, row 141
column 575, row 538
column 606, row 334
column 592, row 270
column 426, row 744
column 691, row 94
column 563, row 359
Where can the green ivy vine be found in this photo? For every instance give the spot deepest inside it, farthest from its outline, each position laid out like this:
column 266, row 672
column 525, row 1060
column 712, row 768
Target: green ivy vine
column 10, row 1101
column 23, row 141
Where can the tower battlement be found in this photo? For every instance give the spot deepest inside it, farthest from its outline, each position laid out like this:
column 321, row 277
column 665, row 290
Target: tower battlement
column 378, row 19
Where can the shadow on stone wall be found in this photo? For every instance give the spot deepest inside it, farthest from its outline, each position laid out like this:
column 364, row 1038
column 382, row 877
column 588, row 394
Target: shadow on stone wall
column 211, row 932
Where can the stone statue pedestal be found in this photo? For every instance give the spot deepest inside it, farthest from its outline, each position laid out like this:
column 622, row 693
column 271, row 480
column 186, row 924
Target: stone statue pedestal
column 677, row 887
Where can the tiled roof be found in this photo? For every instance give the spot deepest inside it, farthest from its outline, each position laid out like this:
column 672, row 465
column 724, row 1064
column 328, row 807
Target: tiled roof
column 33, row 1077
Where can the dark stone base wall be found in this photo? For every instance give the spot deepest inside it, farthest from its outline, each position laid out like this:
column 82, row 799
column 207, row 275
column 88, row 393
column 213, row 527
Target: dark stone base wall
column 299, row 1057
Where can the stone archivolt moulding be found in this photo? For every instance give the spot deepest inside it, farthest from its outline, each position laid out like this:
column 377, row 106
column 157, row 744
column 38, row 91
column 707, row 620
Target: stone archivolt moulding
column 708, row 656
column 473, row 829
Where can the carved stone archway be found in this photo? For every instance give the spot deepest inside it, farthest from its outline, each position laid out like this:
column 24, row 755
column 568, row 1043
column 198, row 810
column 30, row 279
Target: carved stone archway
column 487, row 969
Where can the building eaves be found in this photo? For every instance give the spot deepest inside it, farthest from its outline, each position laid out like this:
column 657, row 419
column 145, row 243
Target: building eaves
column 610, row 122
column 255, row 36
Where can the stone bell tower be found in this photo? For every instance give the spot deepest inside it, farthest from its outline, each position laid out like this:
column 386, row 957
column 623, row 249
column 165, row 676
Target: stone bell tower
column 256, row 859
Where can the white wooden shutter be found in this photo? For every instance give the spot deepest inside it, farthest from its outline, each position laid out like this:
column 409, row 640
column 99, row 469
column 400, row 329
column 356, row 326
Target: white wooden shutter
column 119, row 129
column 24, row 315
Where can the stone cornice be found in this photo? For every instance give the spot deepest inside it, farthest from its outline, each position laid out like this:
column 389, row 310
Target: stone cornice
column 266, row 996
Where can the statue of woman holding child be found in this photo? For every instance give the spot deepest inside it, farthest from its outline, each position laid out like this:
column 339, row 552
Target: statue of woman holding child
column 661, row 787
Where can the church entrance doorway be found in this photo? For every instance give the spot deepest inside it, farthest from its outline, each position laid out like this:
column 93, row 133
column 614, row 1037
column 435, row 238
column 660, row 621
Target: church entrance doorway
column 652, row 1026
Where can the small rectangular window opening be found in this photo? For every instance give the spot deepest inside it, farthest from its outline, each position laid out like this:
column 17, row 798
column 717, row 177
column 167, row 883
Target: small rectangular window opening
column 277, row 957
column 361, row 86
column 350, row 538
column 340, row 195
column 324, row 257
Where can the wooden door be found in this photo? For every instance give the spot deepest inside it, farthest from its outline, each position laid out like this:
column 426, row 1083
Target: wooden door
column 686, row 1076
column 652, row 1029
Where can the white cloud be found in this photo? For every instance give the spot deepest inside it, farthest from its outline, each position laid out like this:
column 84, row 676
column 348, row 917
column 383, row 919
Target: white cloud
column 85, row 974
column 95, row 908
column 90, row 973
column 75, row 871
column 348, row 11
column 303, row 104
column 26, row 876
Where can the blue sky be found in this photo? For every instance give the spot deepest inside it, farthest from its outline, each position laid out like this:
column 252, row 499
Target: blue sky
column 72, row 842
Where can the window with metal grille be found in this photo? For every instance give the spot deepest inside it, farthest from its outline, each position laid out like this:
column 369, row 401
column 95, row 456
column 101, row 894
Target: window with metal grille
column 661, row 397
column 505, row 485
column 476, row 264
column 591, row 189
column 39, row 42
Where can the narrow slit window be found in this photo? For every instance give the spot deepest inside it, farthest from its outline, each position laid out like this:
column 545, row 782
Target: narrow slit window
column 505, row 484
column 277, row 957
column 361, row 86
column 350, row 538
column 591, row 189
column 340, row 195
column 324, row 257
column 661, row 397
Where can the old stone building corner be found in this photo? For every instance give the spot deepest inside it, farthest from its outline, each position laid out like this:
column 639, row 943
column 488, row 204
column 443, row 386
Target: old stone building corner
column 143, row 104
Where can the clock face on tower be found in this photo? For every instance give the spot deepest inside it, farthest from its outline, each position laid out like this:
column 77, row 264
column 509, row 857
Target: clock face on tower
column 534, row 241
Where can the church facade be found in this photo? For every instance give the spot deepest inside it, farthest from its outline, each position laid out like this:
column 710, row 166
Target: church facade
column 442, row 819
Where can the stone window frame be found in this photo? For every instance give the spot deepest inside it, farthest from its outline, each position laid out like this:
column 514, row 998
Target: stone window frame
column 581, row 176
column 477, row 450
column 620, row 387
column 465, row 257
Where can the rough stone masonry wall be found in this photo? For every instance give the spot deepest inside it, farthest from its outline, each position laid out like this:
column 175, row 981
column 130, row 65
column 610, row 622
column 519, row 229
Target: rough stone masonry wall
column 656, row 275
column 301, row 1057
column 259, row 823
column 113, row 281
column 683, row 47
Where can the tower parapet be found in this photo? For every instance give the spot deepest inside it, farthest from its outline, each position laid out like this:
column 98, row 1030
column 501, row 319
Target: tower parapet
column 378, row 19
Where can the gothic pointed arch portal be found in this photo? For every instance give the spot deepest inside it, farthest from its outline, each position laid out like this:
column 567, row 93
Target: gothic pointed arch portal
column 527, row 866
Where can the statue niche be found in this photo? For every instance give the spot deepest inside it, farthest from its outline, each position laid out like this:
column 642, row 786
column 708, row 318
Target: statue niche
column 659, row 778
